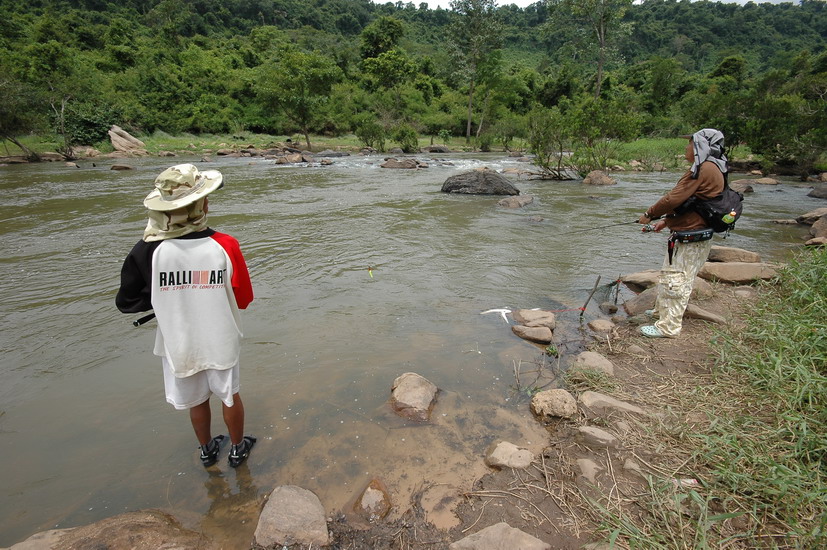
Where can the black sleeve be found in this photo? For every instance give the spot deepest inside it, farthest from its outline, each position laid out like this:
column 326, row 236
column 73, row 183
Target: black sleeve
column 135, row 293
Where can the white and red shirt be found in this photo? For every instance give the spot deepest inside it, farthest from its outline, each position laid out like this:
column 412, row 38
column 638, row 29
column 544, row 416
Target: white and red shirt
column 195, row 284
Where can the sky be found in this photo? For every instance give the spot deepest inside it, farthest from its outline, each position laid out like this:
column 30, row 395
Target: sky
column 446, row 4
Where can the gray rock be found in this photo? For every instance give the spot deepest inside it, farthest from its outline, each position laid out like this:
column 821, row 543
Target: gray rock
column 45, row 540
column 588, row 469
column 291, row 516
column 508, row 455
column 598, row 402
column 436, row 149
column 374, row 503
column 413, row 397
column 404, row 164
column 123, row 141
column 327, row 153
column 819, row 191
column 641, row 280
column 516, row 202
column 479, row 182
column 816, row 242
column 766, row 181
column 811, row 217
column 598, row 177
column 142, row 529
column 591, row 360
column 819, row 227
column 730, row 254
column 742, row 186
column 556, row 403
column 595, row 437
column 745, row 292
column 541, row 335
column 601, row 325
column 121, row 167
column 695, row 312
column 738, row 272
column 535, row 318
column 499, row 537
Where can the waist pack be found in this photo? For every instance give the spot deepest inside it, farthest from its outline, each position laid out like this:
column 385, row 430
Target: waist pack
column 692, row 236
column 719, row 213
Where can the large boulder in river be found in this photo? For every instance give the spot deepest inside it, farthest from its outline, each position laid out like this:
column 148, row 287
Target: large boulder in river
column 598, row 177
column 819, row 191
column 811, row 217
column 402, row 164
column 123, row 141
column 479, row 182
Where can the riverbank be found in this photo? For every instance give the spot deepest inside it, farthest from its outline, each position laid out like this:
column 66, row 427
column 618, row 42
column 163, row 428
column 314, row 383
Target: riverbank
column 646, row 154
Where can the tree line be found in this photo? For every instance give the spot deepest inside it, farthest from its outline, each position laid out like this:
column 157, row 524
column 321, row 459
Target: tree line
column 577, row 75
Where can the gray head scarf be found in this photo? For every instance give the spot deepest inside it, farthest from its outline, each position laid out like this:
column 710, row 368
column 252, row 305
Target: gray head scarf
column 709, row 146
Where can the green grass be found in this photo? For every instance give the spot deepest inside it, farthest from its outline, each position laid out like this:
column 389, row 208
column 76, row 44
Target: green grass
column 763, row 455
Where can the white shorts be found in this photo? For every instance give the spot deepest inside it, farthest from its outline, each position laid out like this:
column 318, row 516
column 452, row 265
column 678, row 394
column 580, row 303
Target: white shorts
column 186, row 393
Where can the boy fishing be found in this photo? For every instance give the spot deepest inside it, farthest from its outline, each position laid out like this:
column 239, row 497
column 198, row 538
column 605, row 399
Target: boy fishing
column 196, row 281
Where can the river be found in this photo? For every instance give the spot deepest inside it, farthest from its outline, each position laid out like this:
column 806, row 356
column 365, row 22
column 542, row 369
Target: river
column 86, row 432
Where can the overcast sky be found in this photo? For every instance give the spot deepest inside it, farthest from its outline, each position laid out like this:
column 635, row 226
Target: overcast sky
column 446, row 4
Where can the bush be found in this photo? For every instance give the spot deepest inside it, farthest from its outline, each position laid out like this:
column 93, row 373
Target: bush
column 371, row 134
column 407, row 138
column 86, row 123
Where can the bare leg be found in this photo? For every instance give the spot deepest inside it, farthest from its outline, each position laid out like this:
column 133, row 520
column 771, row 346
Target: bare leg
column 200, row 416
column 234, row 419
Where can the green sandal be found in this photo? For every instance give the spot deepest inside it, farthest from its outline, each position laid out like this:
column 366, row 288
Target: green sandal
column 652, row 332
column 209, row 452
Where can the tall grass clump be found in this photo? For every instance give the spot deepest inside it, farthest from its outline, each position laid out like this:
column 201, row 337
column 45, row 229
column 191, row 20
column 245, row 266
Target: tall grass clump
column 773, row 455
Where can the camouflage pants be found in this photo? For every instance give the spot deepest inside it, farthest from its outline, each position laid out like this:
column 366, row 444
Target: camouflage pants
column 675, row 284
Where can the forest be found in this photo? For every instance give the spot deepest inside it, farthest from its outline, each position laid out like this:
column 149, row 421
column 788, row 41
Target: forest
column 562, row 75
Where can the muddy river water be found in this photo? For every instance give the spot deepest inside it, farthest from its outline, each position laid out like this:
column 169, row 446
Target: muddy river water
column 84, row 427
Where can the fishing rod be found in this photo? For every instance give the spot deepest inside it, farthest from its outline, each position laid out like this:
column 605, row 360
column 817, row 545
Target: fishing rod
column 647, row 227
column 142, row 320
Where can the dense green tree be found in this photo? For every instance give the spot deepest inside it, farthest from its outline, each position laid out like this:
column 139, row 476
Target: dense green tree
column 602, row 20
column 381, row 36
column 475, row 37
column 298, row 84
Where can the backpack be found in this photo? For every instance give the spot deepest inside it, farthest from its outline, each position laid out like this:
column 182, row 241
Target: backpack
column 720, row 213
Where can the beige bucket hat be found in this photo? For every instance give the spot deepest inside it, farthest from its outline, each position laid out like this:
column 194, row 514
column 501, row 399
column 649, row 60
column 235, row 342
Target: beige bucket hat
column 181, row 185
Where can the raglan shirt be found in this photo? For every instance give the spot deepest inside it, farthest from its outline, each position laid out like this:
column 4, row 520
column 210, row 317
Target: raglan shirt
column 195, row 284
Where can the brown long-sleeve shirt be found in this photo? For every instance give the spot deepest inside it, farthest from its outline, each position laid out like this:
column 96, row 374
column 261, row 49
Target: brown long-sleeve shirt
column 710, row 183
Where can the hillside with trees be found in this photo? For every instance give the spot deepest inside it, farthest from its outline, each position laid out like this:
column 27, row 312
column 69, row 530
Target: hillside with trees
column 576, row 74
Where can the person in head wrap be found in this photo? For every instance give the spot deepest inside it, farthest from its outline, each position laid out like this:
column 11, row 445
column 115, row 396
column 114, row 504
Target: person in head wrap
column 196, row 281
column 704, row 180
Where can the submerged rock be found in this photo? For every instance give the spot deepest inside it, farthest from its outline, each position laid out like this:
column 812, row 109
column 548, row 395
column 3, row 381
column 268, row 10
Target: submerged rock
column 374, row 502
column 413, row 396
column 508, row 455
